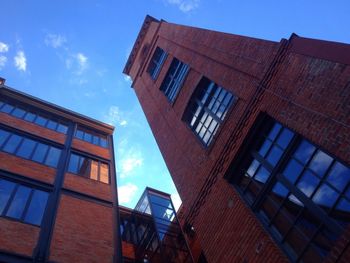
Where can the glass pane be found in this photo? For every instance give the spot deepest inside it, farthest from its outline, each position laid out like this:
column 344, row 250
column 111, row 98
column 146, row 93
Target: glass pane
column 19, row 202
column 104, row 173
column 342, row 212
column 95, row 140
column 284, row 138
column 73, row 163
column 280, row 190
column 7, row 108
column 274, row 131
column 51, row 125
column 40, row 120
column 53, row 157
column 87, row 137
column 12, row 144
column 304, row 151
column 84, row 168
column 274, row 155
column 308, row 183
column 296, row 242
column 262, row 175
column 36, row 208
column 18, row 112
column 265, row 147
column 325, row 196
column 292, row 171
column 320, row 162
column 339, row 176
column 29, row 117
column 103, row 142
column 6, row 189
column 253, row 167
column 40, row 152
column 26, row 148
column 94, row 170
column 79, row 134
column 3, row 136
column 62, row 128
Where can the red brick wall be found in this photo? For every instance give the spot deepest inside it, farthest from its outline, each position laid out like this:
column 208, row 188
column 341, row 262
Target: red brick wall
column 309, row 95
column 27, row 168
column 91, row 148
column 82, row 232
column 17, row 237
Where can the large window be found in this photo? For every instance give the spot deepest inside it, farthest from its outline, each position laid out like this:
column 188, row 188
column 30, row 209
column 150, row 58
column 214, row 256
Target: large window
column 21, row 202
column 174, row 79
column 207, row 109
column 91, row 137
column 298, row 191
column 89, row 168
column 156, row 62
column 29, row 149
column 29, row 115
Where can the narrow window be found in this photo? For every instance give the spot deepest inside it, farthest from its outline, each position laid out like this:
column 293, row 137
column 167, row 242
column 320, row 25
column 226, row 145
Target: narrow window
column 174, row 78
column 156, row 62
column 207, row 109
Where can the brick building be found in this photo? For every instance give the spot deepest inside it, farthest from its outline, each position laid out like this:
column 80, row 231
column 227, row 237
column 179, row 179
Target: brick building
column 256, row 136
column 58, row 197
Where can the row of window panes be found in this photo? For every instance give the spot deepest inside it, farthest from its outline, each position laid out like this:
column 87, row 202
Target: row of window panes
column 308, row 174
column 29, row 149
column 30, row 116
column 91, row 138
column 89, row 168
column 22, row 203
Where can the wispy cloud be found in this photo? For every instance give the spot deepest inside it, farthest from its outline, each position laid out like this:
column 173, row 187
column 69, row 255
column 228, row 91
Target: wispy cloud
column 20, row 61
column 82, row 62
column 131, row 160
column 115, row 116
column 77, row 63
column 55, row 40
column 126, row 193
column 185, row 5
column 3, row 61
column 4, row 47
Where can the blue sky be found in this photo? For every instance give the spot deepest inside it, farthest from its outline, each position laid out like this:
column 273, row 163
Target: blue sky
column 72, row 53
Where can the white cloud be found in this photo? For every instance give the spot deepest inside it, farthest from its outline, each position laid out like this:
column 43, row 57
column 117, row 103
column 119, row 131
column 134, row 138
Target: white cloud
column 77, row 63
column 126, row 193
column 82, row 62
column 20, row 61
column 127, row 79
column 3, row 61
column 4, row 47
column 175, row 198
column 185, row 5
column 129, row 162
column 54, row 40
column 115, row 116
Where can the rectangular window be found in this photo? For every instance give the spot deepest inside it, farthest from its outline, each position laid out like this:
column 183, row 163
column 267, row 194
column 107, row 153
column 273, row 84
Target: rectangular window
column 28, row 115
column 89, row 168
column 156, row 62
column 207, row 109
column 298, row 191
column 91, row 137
column 174, row 78
column 22, row 203
column 29, row 149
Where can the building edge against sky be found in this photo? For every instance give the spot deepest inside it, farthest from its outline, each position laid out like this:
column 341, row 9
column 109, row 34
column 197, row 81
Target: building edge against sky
column 255, row 134
column 57, row 182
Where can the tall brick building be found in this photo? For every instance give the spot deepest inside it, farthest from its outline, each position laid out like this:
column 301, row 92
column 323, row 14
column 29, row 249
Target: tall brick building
column 256, row 136
column 58, row 197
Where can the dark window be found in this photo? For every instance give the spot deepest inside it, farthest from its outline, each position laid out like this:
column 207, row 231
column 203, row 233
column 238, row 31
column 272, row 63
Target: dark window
column 29, row 149
column 156, row 62
column 207, row 109
column 19, row 112
column 174, row 78
column 89, row 168
column 22, row 202
column 91, row 137
column 298, row 191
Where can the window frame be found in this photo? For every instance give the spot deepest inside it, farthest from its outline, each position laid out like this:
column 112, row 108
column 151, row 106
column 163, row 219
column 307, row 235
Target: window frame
column 154, row 73
column 243, row 161
column 84, row 131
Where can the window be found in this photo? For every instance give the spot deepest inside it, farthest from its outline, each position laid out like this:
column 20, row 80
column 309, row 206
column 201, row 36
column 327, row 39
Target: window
column 298, row 191
column 89, row 168
column 29, row 149
column 156, row 62
column 91, row 137
column 207, row 109
column 174, row 79
column 21, row 202
column 21, row 113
